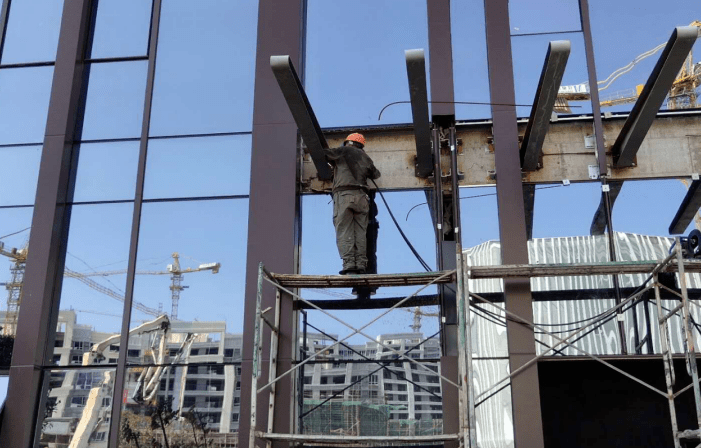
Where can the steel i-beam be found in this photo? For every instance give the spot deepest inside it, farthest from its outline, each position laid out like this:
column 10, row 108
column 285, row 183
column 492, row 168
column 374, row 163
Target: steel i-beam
column 687, row 210
column 651, row 98
column 416, row 72
column 528, row 204
column 545, row 96
column 598, row 224
column 301, row 110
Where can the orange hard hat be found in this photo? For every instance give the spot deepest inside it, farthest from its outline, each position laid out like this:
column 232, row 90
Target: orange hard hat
column 356, row 138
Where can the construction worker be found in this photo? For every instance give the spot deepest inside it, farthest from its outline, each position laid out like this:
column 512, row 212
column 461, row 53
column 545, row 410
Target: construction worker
column 351, row 169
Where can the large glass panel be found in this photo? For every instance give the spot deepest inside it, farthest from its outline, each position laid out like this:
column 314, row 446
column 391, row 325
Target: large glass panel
column 15, row 225
column 24, row 97
column 106, row 171
column 77, row 407
column 470, row 70
column 198, row 167
column 92, row 296
column 32, row 31
column 350, row 78
column 631, row 38
column 191, row 266
column 113, row 18
column 115, row 101
column 199, row 87
column 184, row 405
column 18, row 183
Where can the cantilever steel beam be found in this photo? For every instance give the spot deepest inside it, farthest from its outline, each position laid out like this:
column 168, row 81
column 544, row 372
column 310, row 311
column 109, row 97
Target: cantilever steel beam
column 539, row 121
column 598, row 224
column 688, row 208
column 416, row 72
column 651, row 98
column 528, row 205
column 302, row 112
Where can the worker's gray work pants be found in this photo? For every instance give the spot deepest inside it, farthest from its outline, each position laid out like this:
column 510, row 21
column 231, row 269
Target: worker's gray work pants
column 350, row 217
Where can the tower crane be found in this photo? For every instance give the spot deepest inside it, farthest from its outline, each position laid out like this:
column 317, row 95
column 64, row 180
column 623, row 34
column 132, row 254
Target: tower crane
column 19, row 261
column 418, row 314
column 14, row 286
column 682, row 95
column 176, row 277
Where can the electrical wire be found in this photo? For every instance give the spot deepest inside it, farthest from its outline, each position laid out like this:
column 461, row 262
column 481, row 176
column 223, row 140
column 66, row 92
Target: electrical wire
column 401, row 232
column 15, row 233
column 475, row 196
column 473, row 103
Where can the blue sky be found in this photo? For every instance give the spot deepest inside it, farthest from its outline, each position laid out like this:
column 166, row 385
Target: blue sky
column 204, row 84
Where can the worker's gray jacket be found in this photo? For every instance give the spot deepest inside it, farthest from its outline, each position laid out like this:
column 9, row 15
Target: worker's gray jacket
column 352, row 167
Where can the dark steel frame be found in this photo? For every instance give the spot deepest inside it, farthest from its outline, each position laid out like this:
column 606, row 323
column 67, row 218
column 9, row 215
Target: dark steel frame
column 525, row 388
column 43, row 276
column 273, row 228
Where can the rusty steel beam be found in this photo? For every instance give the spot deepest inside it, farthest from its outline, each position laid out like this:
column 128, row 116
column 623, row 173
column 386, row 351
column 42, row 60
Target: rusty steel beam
column 36, row 327
column 416, row 72
column 670, row 151
column 302, row 111
column 543, row 104
column 652, row 97
column 687, row 209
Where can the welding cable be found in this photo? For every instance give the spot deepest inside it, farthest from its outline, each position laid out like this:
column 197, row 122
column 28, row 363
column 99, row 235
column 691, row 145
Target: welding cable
column 475, row 196
column 401, row 232
column 471, row 103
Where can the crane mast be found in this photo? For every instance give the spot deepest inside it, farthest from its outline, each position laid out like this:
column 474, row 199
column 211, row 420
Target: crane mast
column 14, row 286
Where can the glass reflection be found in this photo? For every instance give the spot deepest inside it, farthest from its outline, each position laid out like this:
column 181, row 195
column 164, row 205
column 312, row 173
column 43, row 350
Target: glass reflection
column 77, row 407
column 92, row 295
column 113, row 17
column 32, row 31
column 15, row 225
column 618, row 42
column 183, row 405
column 191, row 264
column 114, row 104
column 106, row 171
column 203, row 166
column 198, row 88
column 379, row 40
column 18, row 183
column 24, row 96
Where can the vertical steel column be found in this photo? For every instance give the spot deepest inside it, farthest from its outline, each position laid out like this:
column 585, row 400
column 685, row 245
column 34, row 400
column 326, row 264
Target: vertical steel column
column 525, row 390
column 441, row 62
column 45, row 264
column 601, row 152
column 274, row 205
column 135, row 227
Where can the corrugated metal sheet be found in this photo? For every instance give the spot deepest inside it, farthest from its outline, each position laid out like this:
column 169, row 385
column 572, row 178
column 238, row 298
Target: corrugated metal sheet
column 494, row 415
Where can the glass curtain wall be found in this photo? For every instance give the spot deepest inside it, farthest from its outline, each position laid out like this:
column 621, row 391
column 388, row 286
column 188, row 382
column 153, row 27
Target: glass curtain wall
column 184, row 344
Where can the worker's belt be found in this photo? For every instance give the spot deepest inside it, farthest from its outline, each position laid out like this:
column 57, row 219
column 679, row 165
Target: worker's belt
column 350, row 187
